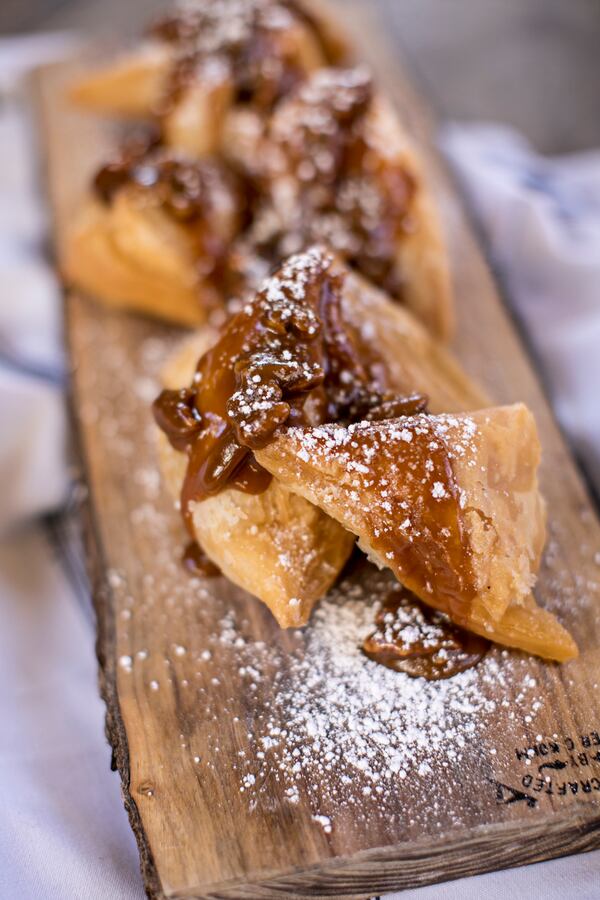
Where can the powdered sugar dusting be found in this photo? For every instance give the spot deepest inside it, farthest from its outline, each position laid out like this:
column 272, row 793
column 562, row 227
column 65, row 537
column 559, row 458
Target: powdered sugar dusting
column 340, row 728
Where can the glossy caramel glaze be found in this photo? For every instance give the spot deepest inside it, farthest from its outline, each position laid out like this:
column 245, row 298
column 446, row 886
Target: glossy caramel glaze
column 188, row 189
column 286, row 358
column 393, row 482
column 197, row 562
column 343, row 190
column 415, row 518
column 421, row 642
column 244, row 41
column 120, row 170
column 201, row 195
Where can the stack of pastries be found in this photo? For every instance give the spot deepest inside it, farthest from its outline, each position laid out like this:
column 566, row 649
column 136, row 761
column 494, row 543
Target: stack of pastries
column 275, row 204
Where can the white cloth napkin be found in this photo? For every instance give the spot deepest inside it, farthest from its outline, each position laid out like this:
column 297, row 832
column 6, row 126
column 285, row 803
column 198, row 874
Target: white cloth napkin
column 63, row 830
column 64, row 834
column 541, row 217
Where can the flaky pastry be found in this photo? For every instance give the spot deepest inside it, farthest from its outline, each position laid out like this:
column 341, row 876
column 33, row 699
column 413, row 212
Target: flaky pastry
column 275, row 544
column 321, row 154
column 449, row 503
column 153, row 236
column 208, row 57
column 338, row 166
column 412, row 359
column 294, row 390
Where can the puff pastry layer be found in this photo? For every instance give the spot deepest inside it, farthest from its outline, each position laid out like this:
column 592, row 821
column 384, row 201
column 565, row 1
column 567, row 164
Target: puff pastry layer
column 449, row 503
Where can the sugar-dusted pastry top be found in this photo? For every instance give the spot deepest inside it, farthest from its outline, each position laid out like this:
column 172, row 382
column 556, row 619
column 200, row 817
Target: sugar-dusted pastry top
column 326, row 179
column 263, row 47
column 401, row 476
column 202, row 194
column 421, row 526
column 450, row 503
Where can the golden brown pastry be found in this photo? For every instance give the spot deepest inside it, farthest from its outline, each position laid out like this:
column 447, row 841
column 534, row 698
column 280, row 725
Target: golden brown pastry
column 450, row 503
column 269, row 541
column 274, row 544
column 206, row 58
column 155, row 235
column 412, row 359
column 322, row 154
column 132, row 85
column 338, row 167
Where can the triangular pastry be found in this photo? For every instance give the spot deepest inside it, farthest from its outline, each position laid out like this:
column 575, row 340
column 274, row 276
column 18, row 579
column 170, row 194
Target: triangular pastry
column 153, row 237
column 205, row 58
column 137, row 85
column 274, row 543
column 323, row 155
column 450, row 503
column 132, row 85
column 338, row 167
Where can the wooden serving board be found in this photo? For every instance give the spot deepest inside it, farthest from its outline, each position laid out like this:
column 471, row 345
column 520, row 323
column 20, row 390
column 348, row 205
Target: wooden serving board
column 259, row 763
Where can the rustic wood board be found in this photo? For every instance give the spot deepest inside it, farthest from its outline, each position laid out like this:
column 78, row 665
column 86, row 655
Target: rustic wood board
column 395, row 783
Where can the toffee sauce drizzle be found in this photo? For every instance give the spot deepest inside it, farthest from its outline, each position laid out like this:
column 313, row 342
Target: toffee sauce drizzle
column 193, row 192
column 197, row 562
column 348, row 195
column 438, row 562
column 289, row 358
column 187, row 188
column 412, row 638
column 247, row 42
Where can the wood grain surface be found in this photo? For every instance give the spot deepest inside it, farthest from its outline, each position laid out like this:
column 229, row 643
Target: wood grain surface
column 207, row 701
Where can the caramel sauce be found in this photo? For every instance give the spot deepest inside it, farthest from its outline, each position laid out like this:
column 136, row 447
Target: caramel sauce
column 288, row 358
column 185, row 24
column 285, row 358
column 197, row 562
column 177, row 416
column 202, row 195
column 247, row 40
column 346, row 194
column 188, row 189
column 440, row 556
column 413, row 510
column 409, row 637
column 115, row 174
